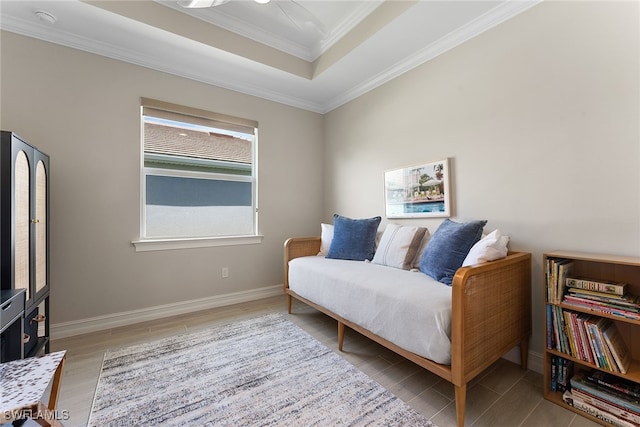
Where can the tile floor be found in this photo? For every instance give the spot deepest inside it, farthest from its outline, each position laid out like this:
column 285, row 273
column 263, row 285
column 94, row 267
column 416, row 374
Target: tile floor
column 503, row 395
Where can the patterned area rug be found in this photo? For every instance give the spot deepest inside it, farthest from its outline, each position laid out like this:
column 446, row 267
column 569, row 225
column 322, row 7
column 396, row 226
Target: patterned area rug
column 259, row 372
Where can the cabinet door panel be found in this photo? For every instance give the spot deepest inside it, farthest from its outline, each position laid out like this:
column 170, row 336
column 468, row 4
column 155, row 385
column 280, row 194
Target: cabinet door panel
column 22, row 222
column 40, row 222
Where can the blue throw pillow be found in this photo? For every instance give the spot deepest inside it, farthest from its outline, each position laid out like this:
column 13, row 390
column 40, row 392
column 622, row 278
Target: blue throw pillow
column 353, row 239
column 448, row 248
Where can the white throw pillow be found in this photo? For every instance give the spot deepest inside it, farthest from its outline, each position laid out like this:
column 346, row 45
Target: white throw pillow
column 490, row 248
column 398, row 246
column 326, row 236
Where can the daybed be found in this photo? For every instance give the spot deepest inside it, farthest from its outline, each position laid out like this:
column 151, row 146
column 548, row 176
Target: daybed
column 489, row 313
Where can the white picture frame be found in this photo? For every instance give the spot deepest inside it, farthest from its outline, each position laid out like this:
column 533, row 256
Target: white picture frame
column 419, row 191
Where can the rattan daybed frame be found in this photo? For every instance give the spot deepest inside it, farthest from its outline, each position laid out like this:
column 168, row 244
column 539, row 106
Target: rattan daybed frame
column 491, row 314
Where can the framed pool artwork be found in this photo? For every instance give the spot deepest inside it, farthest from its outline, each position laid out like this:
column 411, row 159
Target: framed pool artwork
column 418, row 191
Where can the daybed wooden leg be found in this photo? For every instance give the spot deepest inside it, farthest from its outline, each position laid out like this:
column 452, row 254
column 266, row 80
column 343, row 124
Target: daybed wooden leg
column 289, row 303
column 340, row 335
column 461, row 397
column 524, row 353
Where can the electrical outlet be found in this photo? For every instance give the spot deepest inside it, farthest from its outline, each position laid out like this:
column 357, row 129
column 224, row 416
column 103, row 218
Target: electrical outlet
column 225, row 272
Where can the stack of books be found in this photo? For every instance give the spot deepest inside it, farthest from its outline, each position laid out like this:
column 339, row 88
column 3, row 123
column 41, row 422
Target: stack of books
column 561, row 373
column 592, row 285
column 611, row 298
column 557, row 270
column 589, row 338
column 605, row 396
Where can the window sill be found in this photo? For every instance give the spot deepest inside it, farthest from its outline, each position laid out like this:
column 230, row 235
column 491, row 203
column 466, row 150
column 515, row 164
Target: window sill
column 145, row 245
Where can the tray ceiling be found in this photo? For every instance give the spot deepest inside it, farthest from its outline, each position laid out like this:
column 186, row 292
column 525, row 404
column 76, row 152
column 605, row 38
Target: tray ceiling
column 317, row 63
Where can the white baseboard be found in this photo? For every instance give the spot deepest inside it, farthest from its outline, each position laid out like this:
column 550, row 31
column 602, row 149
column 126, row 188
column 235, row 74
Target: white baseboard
column 99, row 323
column 534, row 360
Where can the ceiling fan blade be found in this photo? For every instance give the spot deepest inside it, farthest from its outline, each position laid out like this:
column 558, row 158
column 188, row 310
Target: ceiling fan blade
column 300, row 15
column 199, row 4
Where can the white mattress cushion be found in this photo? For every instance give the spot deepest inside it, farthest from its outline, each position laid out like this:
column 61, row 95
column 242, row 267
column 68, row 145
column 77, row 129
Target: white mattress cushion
column 408, row 308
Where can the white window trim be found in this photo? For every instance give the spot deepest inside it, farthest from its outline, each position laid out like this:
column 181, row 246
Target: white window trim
column 158, row 244
column 146, row 245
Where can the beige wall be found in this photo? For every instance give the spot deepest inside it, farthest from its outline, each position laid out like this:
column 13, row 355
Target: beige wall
column 83, row 110
column 540, row 117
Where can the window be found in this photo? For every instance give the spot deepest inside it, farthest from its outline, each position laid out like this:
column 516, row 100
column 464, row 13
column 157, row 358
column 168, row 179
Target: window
column 198, row 174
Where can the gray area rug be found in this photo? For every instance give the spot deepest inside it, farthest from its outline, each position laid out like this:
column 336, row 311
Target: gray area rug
column 259, row 372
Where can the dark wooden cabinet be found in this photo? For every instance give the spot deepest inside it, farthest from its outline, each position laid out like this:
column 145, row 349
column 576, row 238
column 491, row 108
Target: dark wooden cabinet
column 24, row 234
column 11, row 324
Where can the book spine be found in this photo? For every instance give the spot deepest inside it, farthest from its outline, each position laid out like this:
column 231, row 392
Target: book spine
column 617, row 347
column 550, row 332
column 601, row 325
column 564, row 270
column 602, row 305
column 600, row 414
column 557, row 328
column 584, row 385
column 625, row 302
column 609, row 381
column 591, row 285
column 595, row 307
column 582, row 344
column 564, row 332
column 553, row 281
column 573, row 351
column 606, row 406
column 556, row 336
column 597, row 352
column 564, row 373
column 548, row 281
column 588, row 351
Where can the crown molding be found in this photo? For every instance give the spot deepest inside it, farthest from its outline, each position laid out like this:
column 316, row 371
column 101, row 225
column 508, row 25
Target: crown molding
column 74, row 41
column 344, row 27
column 235, row 25
column 231, row 23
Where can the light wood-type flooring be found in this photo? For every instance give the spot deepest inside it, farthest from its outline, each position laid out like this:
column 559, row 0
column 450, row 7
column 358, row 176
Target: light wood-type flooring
column 503, row 395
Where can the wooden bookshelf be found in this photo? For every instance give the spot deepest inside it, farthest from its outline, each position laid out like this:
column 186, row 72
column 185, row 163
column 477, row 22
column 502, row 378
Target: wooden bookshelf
column 596, row 267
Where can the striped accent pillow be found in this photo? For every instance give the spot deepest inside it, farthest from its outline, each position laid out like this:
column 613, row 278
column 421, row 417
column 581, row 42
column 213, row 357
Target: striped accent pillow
column 398, row 246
